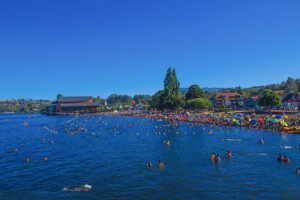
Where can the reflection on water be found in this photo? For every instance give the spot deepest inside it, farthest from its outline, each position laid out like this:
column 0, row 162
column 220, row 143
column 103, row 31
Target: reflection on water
column 111, row 153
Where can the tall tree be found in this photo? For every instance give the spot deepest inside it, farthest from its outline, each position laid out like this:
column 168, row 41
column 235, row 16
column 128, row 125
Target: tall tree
column 172, row 100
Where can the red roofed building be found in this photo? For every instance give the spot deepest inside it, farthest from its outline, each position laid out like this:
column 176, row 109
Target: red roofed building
column 228, row 99
column 75, row 104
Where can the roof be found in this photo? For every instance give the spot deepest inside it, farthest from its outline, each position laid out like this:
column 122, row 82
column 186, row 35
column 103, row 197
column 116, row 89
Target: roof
column 94, row 104
column 291, row 97
column 227, row 95
column 74, row 99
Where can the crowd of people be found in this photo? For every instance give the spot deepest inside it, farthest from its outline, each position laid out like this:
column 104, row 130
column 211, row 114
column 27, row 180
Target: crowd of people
column 278, row 122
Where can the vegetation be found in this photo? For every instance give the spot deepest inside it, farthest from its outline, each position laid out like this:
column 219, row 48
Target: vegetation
column 23, row 106
column 172, row 97
column 169, row 98
column 194, row 92
column 198, row 104
column 115, row 99
column 142, row 99
column 269, row 99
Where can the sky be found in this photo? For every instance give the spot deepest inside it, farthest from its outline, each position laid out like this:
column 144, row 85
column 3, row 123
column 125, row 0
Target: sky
column 100, row 47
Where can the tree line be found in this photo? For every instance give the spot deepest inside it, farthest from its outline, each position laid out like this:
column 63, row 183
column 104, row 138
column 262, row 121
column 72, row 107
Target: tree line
column 171, row 97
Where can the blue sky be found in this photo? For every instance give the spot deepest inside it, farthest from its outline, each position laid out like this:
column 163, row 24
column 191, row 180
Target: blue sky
column 99, row 47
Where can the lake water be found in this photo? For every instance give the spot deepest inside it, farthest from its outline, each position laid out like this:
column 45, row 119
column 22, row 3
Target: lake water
column 112, row 152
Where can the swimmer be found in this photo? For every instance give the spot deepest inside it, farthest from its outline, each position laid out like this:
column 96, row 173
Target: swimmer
column 150, row 165
column 14, row 150
column 27, row 159
column 82, row 188
column 52, row 142
column 298, row 171
column 161, row 165
column 229, row 154
column 261, row 141
column 167, row 142
column 279, row 158
column 45, row 158
column 285, row 159
column 212, row 157
column 218, row 159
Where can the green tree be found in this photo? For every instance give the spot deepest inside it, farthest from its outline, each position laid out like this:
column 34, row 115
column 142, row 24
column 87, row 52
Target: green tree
column 194, row 92
column 198, row 104
column 113, row 99
column 172, row 100
column 269, row 98
column 142, row 99
column 291, row 85
column 157, row 100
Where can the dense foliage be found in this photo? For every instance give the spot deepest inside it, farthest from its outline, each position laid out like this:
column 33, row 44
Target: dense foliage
column 269, row 99
column 198, row 104
column 115, row 99
column 193, row 92
column 23, row 106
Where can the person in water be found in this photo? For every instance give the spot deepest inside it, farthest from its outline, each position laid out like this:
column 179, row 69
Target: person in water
column 261, row 141
column 150, row 165
column 298, row 171
column 82, row 188
column 212, row 157
column 279, row 158
column 218, row 158
column 45, row 158
column 285, row 159
column 229, row 154
column 161, row 165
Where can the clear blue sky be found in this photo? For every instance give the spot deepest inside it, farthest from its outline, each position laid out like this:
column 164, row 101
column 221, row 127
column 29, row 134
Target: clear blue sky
column 99, row 47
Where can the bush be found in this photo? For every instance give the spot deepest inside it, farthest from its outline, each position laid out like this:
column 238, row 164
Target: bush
column 198, row 104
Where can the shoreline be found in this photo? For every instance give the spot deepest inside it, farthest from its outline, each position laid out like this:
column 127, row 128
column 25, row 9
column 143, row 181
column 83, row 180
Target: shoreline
column 279, row 123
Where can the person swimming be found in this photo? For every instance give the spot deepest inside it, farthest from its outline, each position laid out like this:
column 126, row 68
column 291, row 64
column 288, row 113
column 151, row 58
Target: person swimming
column 161, row 165
column 27, row 159
column 212, row 157
column 45, row 158
column 167, row 142
column 150, row 165
column 261, row 141
column 279, row 158
column 229, row 154
column 298, row 171
column 285, row 159
column 82, row 188
column 14, row 150
column 218, row 158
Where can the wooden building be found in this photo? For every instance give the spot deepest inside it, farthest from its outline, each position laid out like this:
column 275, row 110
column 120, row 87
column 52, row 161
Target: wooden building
column 75, row 104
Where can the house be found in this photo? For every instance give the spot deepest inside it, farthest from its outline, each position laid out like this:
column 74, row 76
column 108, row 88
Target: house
column 75, row 104
column 291, row 101
column 251, row 102
column 228, row 99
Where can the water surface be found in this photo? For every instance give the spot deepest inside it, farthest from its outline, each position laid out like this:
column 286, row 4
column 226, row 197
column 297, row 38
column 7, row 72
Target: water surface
column 111, row 153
